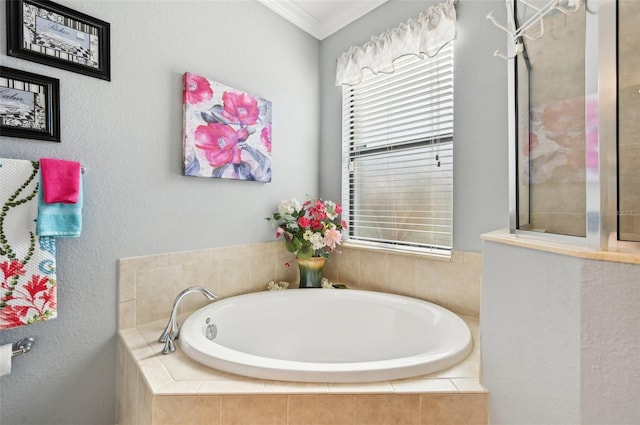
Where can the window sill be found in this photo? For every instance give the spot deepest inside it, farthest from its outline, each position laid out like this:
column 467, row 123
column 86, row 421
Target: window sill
column 398, row 251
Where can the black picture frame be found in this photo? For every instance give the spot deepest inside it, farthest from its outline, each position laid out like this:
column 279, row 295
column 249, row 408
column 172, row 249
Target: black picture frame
column 29, row 105
column 51, row 34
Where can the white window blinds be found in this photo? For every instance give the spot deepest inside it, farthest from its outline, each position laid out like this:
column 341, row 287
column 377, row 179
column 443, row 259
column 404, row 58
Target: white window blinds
column 398, row 155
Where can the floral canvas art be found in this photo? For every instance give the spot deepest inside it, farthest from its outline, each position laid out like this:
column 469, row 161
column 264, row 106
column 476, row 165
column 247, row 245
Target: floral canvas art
column 227, row 132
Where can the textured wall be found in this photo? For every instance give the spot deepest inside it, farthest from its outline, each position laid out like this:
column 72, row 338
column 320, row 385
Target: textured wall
column 530, row 327
column 480, row 180
column 127, row 133
column 610, row 340
column 560, row 337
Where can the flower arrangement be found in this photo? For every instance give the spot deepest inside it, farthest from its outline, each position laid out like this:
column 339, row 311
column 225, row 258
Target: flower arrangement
column 310, row 229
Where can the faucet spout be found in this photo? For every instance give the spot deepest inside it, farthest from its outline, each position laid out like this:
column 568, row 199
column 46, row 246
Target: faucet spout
column 171, row 331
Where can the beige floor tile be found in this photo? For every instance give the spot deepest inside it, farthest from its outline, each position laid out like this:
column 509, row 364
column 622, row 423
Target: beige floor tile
column 454, row 409
column 323, row 409
column 144, row 405
column 248, row 386
column 186, row 410
column 364, row 388
column 281, row 387
column 180, row 388
column 156, row 290
column 401, row 409
column 468, row 385
column 253, row 410
column 182, row 367
column 421, row 385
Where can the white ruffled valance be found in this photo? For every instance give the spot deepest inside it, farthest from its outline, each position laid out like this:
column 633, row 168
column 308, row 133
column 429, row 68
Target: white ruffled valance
column 423, row 36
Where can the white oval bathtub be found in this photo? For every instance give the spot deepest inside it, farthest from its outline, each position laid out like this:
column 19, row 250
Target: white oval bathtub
column 325, row 335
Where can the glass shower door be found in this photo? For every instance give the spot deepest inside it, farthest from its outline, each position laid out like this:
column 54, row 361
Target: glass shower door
column 551, row 122
column 628, row 120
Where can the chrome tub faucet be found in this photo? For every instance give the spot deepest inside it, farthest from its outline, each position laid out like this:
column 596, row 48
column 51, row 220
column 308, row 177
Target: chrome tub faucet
column 171, row 331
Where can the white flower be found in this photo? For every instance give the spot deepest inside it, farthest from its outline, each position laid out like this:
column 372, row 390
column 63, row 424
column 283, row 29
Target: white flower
column 326, row 284
column 273, row 286
column 307, row 235
column 331, row 210
column 289, row 207
column 317, row 241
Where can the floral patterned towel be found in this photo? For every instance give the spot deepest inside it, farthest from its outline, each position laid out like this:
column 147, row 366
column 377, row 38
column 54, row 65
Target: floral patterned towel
column 27, row 262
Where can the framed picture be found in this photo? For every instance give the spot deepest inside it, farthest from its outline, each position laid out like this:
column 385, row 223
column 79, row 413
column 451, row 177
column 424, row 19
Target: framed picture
column 29, row 105
column 48, row 33
column 227, row 132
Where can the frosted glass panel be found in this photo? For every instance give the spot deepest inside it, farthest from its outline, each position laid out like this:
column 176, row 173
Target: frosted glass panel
column 551, row 126
column 629, row 120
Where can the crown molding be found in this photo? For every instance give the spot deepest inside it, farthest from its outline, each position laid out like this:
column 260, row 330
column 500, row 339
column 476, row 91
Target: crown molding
column 320, row 28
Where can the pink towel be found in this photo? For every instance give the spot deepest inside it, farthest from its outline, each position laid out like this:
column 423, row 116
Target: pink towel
column 60, row 180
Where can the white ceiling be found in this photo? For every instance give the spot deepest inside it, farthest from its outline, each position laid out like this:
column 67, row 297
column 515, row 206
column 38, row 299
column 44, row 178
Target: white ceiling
column 321, row 18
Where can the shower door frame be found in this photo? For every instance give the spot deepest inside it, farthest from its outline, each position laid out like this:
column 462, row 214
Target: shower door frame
column 601, row 163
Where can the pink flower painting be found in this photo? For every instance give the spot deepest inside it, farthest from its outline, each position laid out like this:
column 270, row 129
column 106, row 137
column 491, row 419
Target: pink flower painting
column 227, row 132
column 196, row 89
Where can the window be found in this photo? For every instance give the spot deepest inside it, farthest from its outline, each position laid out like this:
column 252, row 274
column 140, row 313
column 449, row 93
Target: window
column 398, row 155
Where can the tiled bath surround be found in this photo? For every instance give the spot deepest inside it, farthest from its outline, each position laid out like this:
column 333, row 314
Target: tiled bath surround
column 148, row 285
column 157, row 389
column 173, row 389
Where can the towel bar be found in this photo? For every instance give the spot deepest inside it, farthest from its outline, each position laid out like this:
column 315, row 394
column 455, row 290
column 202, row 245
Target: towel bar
column 22, row 346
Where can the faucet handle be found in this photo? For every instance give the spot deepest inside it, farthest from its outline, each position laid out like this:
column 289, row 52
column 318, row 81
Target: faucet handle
column 170, row 332
column 169, row 347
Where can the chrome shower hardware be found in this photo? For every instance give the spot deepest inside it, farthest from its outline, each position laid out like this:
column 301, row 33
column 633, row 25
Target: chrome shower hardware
column 171, row 331
column 517, row 33
column 22, row 346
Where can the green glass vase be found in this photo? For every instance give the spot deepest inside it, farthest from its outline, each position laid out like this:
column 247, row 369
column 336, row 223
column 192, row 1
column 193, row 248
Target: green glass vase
column 310, row 272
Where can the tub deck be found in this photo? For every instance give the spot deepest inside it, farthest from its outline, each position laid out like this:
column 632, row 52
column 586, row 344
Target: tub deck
column 163, row 389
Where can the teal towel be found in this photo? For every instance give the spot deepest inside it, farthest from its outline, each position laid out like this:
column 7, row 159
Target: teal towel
column 59, row 220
